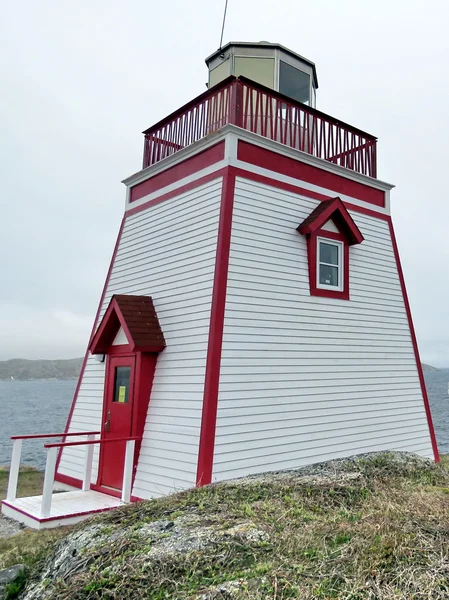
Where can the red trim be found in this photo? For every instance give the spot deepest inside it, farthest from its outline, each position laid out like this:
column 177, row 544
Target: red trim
column 76, row 483
column 187, row 167
column 335, row 210
column 83, row 367
column 180, row 190
column 415, row 344
column 274, row 161
column 112, row 492
column 251, row 176
column 212, row 377
column 294, row 189
column 91, row 442
column 312, row 249
column 120, row 350
column 289, row 187
column 115, row 456
column 144, row 376
column 366, row 211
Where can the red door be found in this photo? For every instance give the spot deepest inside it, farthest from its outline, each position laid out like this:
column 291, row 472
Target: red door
column 117, row 419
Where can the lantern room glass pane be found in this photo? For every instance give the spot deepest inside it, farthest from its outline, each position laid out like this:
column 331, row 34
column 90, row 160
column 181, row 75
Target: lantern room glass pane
column 219, row 73
column 121, row 388
column 294, row 83
column 258, row 69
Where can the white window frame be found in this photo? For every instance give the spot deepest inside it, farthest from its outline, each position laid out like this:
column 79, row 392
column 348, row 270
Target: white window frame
column 341, row 249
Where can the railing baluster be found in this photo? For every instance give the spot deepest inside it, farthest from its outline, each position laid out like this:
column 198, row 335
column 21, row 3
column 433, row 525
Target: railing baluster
column 246, row 109
column 14, row 470
column 128, row 471
column 248, row 105
column 302, row 145
column 49, row 478
column 88, row 461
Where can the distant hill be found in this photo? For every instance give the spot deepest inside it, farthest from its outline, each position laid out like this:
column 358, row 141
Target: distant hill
column 24, row 370
column 21, row 369
column 429, row 368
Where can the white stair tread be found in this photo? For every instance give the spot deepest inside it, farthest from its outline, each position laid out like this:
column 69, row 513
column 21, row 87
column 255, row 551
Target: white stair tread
column 66, row 504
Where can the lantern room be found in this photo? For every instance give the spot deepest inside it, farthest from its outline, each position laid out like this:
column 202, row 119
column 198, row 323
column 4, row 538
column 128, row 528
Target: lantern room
column 271, row 65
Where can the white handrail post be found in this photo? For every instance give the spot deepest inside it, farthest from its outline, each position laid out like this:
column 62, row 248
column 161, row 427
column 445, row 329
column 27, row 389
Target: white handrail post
column 128, row 471
column 49, row 478
column 14, row 470
column 88, row 464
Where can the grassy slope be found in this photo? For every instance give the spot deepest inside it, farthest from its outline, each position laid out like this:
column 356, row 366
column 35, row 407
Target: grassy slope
column 28, row 546
column 378, row 530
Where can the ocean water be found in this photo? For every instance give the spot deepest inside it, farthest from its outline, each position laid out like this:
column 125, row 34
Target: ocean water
column 43, row 406
column 437, row 390
column 32, row 407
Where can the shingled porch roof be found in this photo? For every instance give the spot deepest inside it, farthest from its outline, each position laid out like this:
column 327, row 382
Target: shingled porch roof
column 335, row 210
column 137, row 316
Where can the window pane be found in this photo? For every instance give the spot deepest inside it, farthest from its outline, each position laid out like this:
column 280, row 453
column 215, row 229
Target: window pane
column 328, row 275
column 329, row 253
column 121, row 390
column 257, row 69
column 294, row 83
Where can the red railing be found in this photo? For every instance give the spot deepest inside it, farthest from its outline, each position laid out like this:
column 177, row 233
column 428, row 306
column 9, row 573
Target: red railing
column 256, row 108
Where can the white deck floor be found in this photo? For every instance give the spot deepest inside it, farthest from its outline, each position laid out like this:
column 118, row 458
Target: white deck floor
column 66, row 508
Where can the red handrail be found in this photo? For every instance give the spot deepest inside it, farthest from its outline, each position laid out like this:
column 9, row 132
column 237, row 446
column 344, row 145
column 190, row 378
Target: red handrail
column 244, row 103
column 88, row 442
column 53, row 435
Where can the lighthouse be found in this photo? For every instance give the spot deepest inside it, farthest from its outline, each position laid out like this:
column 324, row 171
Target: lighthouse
column 254, row 316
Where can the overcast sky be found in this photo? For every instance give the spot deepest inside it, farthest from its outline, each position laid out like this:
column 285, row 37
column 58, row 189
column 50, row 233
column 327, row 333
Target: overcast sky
column 81, row 79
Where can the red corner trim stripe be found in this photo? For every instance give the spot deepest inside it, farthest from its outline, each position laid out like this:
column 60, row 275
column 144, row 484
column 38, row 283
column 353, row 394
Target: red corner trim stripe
column 86, row 356
column 415, row 344
column 212, row 377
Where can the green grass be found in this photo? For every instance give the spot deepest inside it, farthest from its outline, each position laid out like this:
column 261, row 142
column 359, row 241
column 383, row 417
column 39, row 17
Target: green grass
column 29, row 484
column 377, row 531
column 28, row 546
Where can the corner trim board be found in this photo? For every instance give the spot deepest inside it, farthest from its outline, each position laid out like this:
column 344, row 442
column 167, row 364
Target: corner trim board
column 414, row 343
column 213, row 361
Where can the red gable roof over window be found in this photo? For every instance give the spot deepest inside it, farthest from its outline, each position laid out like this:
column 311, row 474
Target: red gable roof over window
column 332, row 209
column 137, row 316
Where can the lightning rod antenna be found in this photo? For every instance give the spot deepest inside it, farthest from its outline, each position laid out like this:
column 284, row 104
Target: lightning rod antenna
column 223, row 26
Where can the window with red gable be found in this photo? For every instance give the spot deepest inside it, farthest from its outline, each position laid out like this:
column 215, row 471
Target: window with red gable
column 330, row 231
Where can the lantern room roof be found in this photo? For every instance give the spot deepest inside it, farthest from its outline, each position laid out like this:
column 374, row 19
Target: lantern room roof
column 270, row 45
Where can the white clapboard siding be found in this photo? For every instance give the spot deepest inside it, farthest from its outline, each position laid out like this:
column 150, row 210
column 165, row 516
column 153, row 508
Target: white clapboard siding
column 86, row 417
column 304, row 378
column 167, row 252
